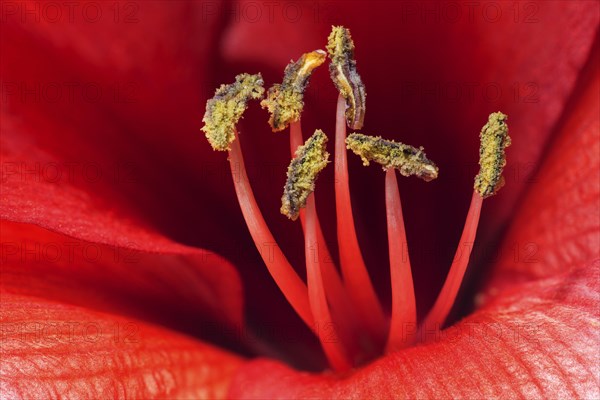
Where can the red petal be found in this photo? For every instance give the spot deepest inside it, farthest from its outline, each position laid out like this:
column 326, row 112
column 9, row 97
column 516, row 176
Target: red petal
column 558, row 227
column 128, row 173
column 538, row 337
column 85, row 164
column 108, row 113
column 177, row 287
column 52, row 350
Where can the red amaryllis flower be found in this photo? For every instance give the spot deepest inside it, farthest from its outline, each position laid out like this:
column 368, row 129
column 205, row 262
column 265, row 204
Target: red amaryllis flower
column 127, row 269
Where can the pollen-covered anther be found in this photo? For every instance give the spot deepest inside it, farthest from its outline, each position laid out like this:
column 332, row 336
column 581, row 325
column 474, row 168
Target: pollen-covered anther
column 308, row 162
column 285, row 101
column 407, row 159
column 494, row 140
column 225, row 109
column 345, row 77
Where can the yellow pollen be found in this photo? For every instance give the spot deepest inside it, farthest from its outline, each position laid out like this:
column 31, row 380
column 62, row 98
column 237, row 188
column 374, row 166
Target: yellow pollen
column 494, row 140
column 285, row 101
column 407, row 159
column 225, row 109
column 345, row 77
column 308, row 162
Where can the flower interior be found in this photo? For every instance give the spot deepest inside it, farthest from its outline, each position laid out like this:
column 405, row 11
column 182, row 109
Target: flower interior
column 341, row 306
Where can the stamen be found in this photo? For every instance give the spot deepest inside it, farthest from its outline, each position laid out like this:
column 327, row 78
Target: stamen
column 295, row 136
column 357, row 280
column 326, row 329
column 296, row 77
column 349, row 331
column 309, row 160
column 284, row 275
column 494, row 140
column 344, row 75
column 341, row 309
column 225, row 109
column 403, row 323
column 406, row 159
column 285, row 102
column 304, row 169
column 409, row 161
column 438, row 314
column 222, row 113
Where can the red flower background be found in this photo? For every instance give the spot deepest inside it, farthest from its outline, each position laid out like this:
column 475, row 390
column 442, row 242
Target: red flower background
column 127, row 269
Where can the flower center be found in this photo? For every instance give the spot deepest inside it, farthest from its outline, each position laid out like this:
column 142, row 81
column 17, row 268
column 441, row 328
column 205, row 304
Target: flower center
column 344, row 312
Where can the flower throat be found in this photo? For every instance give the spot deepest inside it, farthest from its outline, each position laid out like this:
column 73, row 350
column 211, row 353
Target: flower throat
column 357, row 327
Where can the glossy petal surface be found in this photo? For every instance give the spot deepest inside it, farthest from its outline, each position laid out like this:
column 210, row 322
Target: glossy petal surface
column 52, row 350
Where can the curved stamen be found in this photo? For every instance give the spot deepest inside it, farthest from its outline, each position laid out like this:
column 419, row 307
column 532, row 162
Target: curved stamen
column 334, row 288
column 354, row 271
column 326, row 329
column 494, row 140
column 308, row 161
column 292, row 287
column 404, row 311
column 408, row 160
column 438, row 314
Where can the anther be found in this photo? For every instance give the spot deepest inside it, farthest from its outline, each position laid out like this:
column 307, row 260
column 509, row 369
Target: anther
column 345, row 77
column 494, row 140
column 309, row 160
column 407, row 159
column 225, row 109
column 285, row 101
